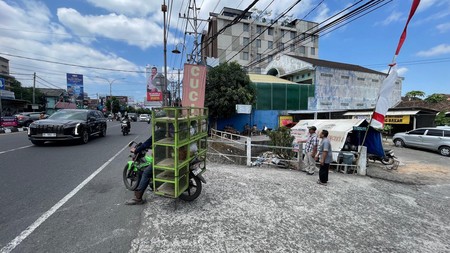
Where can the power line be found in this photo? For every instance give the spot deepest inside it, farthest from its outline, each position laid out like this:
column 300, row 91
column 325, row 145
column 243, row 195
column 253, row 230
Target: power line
column 73, row 65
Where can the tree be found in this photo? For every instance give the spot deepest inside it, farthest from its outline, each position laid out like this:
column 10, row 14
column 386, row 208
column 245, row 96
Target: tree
column 441, row 120
column 415, row 94
column 227, row 85
column 282, row 138
column 435, row 98
column 115, row 105
column 25, row 93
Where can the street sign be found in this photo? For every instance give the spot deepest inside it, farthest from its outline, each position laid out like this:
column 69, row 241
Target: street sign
column 358, row 128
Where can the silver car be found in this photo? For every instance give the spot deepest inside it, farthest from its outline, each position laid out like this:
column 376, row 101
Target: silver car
column 431, row 138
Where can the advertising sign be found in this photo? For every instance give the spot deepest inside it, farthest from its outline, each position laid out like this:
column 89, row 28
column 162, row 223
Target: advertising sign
column 154, row 84
column 284, row 120
column 194, row 82
column 75, row 87
column 397, row 119
column 2, row 84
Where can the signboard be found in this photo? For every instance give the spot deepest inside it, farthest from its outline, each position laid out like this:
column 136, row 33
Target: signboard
column 2, row 84
column 397, row 119
column 155, row 84
column 358, row 128
column 75, row 87
column 194, row 82
column 244, row 109
column 284, row 120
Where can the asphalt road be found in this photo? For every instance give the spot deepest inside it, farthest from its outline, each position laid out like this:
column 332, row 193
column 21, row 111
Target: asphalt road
column 35, row 179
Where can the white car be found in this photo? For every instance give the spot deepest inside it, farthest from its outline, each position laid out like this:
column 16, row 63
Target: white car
column 144, row 117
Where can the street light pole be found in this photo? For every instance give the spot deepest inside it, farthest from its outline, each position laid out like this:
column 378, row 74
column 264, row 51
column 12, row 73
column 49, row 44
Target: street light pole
column 110, row 83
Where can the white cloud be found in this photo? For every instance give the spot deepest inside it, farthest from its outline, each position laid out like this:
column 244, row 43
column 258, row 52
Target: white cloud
column 139, row 32
column 395, row 16
column 443, row 27
column 402, row 71
column 435, row 51
column 139, row 8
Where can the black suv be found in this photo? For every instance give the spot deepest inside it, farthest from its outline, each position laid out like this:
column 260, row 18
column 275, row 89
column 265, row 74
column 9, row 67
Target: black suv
column 132, row 116
column 68, row 124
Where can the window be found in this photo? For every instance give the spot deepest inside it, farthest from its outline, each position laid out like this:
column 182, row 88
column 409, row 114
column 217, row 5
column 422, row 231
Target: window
column 245, row 41
column 270, row 31
column 375, row 80
column 325, row 74
column 258, row 57
column 313, row 51
column 283, row 32
column 435, row 132
column 245, row 56
column 302, row 49
column 258, row 43
column 258, row 29
column 269, row 58
column 417, row 132
column 446, row 133
column 245, row 27
column 270, row 44
column 345, row 77
column 280, row 46
column 292, row 46
column 360, row 79
column 293, row 34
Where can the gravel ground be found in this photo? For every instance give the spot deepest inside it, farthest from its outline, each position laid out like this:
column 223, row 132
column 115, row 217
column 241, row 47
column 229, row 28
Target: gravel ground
column 261, row 209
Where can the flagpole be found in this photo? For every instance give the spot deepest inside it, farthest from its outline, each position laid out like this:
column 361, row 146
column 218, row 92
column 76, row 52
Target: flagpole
column 414, row 5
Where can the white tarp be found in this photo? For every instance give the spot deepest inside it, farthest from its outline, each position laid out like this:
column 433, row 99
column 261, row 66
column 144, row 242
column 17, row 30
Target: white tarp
column 337, row 130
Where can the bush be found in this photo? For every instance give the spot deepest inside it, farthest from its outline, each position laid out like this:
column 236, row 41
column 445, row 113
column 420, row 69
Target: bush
column 282, row 138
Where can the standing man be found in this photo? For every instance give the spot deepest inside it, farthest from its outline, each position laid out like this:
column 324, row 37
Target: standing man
column 326, row 157
column 311, row 150
column 151, row 85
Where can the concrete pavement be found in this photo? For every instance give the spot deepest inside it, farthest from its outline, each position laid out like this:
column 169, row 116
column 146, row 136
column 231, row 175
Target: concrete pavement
column 262, row 209
column 12, row 129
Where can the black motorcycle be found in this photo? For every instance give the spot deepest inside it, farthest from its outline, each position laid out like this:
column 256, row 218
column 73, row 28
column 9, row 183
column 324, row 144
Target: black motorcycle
column 125, row 126
column 388, row 159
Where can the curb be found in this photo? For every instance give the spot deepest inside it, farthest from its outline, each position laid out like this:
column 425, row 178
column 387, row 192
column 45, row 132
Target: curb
column 12, row 130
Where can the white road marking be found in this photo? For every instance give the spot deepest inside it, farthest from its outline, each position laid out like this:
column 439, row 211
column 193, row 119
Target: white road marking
column 14, row 149
column 22, row 236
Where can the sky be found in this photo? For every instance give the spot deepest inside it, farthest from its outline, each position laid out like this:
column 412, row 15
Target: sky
column 110, row 42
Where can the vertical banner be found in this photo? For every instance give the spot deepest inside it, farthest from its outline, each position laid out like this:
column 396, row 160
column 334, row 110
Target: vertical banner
column 194, row 82
column 154, row 84
column 75, row 87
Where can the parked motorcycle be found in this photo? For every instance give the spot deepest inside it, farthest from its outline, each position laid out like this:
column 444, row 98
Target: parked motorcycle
column 125, row 126
column 132, row 173
column 388, row 159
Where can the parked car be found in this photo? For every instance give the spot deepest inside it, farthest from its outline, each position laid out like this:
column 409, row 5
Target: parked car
column 25, row 118
column 68, row 124
column 431, row 138
column 144, row 117
column 132, row 116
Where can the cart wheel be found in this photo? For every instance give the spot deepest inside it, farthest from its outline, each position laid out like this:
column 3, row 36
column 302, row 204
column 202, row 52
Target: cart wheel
column 193, row 191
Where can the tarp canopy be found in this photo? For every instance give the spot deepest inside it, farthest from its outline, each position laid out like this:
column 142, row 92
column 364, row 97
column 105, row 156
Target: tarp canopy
column 338, row 130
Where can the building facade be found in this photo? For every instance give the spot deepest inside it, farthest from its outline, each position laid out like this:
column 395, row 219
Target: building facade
column 337, row 86
column 254, row 40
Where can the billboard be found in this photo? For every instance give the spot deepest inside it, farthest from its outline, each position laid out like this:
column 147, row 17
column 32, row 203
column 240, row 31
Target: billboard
column 194, row 82
column 75, row 87
column 154, row 84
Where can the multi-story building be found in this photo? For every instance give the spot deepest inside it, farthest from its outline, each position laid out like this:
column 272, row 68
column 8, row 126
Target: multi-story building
column 254, row 40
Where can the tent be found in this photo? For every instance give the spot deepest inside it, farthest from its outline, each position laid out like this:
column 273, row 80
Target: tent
column 339, row 130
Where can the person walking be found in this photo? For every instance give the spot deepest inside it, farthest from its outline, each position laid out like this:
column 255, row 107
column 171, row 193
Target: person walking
column 311, row 150
column 325, row 157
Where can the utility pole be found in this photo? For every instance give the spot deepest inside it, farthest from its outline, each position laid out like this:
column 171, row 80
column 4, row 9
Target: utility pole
column 164, row 10
column 195, row 56
column 34, row 87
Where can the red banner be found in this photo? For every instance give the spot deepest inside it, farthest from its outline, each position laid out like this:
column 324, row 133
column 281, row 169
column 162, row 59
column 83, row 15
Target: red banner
column 194, row 82
column 154, row 96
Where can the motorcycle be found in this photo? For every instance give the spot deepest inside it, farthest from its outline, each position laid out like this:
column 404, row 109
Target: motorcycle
column 388, row 159
column 132, row 173
column 125, row 127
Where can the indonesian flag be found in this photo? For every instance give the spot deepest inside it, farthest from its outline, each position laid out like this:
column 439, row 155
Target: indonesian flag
column 383, row 101
column 389, row 83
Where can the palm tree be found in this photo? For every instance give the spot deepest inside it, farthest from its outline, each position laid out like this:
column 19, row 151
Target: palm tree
column 415, row 94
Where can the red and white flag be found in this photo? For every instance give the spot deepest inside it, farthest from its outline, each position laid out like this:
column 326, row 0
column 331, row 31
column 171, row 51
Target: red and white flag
column 383, row 103
column 389, row 83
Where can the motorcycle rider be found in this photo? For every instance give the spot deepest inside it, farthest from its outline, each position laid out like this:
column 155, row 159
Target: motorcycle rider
column 125, row 118
column 145, row 177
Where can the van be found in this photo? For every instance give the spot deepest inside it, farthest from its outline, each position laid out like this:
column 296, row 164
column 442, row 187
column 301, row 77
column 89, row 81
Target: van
column 431, row 138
